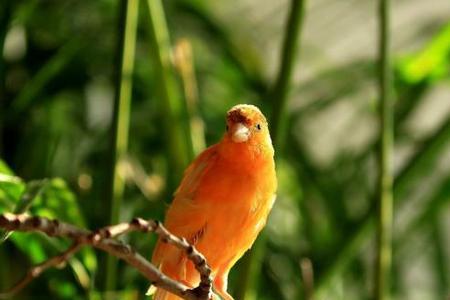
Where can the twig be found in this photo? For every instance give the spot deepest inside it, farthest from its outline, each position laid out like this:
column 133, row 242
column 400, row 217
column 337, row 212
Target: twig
column 37, row 270
column 177, row 129
column 139, row 224
column 103, row 239
column 306, row 268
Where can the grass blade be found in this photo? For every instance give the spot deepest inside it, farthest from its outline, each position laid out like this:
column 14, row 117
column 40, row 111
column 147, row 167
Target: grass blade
column 386, row 115
column 125, row 64
column 175, row 113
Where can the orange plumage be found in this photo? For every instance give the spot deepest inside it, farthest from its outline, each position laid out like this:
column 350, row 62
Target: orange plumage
column 222, row 202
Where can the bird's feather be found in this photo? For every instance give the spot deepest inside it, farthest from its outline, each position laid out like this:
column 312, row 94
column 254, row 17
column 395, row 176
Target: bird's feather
column 222, row 202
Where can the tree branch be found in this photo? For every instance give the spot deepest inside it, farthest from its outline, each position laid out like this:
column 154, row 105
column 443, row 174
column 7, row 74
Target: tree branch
column 103, row 239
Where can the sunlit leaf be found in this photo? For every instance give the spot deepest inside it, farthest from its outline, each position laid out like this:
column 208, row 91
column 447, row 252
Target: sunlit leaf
column 58, row 202
column 4, row 169
column 433, row 62
column 45, row 198
column 32, row 191
column 10, row 191
column 11, row 187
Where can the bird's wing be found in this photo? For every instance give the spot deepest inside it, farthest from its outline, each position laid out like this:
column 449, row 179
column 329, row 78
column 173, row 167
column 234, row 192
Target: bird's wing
column 185, row 217
column 195, row 172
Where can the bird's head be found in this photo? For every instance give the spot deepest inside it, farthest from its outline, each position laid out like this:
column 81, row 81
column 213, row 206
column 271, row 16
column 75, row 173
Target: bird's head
column 247, row 125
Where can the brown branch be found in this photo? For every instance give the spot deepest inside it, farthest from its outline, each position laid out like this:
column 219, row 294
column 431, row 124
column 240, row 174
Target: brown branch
column 104, row 239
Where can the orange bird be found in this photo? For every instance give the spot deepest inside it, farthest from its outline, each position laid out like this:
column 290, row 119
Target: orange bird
column 222, row 202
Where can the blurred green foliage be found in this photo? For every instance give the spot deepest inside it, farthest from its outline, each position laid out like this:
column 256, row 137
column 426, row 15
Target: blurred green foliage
column 52, row 199
column 58, row 80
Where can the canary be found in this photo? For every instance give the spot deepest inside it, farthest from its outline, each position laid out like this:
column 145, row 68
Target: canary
column 222, row 203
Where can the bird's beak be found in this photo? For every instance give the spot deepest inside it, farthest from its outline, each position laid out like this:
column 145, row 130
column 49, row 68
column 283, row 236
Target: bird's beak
column 240, row 133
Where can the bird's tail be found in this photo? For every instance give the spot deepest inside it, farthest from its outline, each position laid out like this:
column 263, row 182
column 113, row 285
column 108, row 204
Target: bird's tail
column 171, row 262
column 161, row 294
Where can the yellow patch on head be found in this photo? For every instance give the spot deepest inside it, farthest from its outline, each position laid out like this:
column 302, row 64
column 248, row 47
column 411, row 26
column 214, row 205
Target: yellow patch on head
column 246, row 114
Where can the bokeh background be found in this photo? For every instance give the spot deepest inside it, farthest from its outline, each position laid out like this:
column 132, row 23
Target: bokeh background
column 60, row 69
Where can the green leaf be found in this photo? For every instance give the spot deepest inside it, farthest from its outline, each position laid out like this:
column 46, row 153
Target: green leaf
column 31, row 245
column 4, row 169
column 11, row 187
column 58, row 202
column 433, row 62
column 32, row 191
column 49, row 198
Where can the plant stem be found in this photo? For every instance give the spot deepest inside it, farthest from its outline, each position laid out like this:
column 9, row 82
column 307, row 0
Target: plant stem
column 179, row 144
column 128, row 16
column 279, row 93
column 385, row 205
column 278, row 97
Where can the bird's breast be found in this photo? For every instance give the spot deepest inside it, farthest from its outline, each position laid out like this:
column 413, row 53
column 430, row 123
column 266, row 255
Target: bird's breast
column 237, row 201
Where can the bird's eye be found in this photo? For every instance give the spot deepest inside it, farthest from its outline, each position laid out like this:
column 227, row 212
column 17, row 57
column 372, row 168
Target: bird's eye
column 258, row 126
